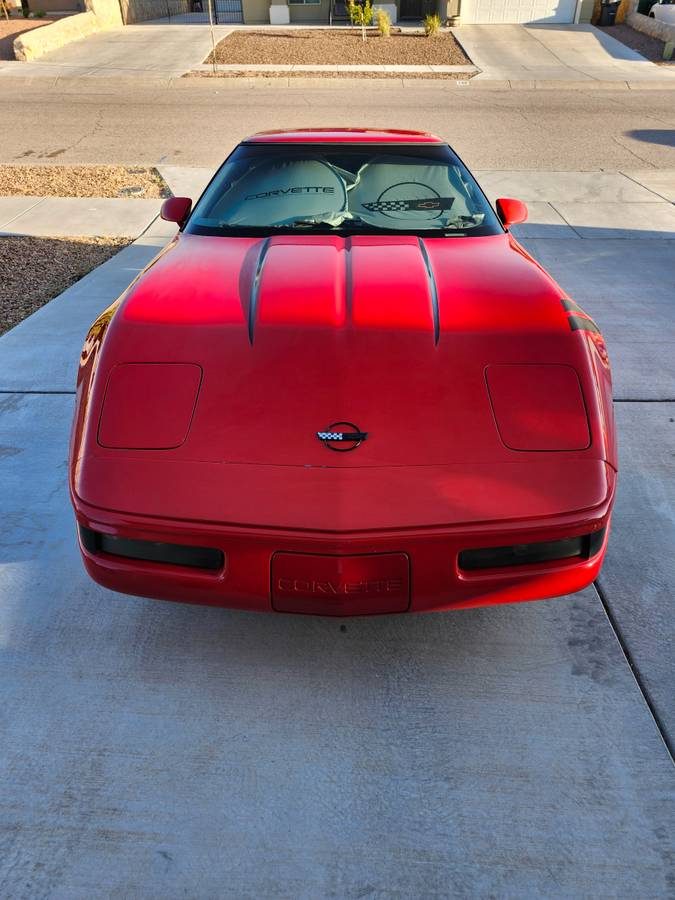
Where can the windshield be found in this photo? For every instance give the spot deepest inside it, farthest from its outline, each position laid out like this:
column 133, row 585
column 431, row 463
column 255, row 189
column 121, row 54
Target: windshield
column 346, row 189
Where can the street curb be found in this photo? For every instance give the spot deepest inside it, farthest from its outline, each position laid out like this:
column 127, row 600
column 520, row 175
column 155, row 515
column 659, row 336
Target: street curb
column 87, row 84
column 263, row 81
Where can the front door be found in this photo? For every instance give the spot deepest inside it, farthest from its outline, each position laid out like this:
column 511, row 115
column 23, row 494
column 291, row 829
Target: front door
column 412, row 9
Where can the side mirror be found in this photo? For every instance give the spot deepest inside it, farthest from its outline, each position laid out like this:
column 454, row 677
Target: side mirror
column 176, row 209
column 511, row 212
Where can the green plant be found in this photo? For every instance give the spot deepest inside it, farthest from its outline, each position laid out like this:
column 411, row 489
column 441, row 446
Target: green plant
column 360, row 13
column 40, row 14
column 432, row 25
column 383, row 21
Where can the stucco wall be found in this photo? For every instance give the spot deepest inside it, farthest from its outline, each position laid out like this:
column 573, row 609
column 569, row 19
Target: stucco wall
column 309, row 12
column 256, row 12
column 660, row 30
column 134, row 11
column 100, row 15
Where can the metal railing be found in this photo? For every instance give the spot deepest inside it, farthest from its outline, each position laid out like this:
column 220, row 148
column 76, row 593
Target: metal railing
column 222, row 12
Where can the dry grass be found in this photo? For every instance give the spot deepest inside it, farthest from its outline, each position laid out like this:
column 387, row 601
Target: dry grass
column 82, row 181
column 339, row 47
column 12, row 28
column 34, row 270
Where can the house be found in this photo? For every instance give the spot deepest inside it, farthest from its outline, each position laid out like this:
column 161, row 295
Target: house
column 324, row 12
column 281, row 12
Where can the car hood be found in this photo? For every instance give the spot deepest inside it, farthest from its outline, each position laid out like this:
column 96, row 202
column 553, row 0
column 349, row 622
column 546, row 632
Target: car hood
column 296, row 334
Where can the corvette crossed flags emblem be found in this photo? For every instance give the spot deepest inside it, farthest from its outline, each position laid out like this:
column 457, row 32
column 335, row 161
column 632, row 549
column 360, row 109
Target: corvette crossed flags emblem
column 433, row 203
column 340, row 439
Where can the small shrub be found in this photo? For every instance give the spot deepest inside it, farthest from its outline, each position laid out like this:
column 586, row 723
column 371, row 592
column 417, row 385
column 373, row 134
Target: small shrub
column 432, row 25
column 383, row 21
column 25, row 12
column 360, row 13
column 40, row 14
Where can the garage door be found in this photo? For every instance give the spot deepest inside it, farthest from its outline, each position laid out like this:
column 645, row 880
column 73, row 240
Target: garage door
column 495, row 12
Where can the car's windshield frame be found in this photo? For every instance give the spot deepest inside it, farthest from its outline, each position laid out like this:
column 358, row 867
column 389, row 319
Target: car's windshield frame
column 433, row 153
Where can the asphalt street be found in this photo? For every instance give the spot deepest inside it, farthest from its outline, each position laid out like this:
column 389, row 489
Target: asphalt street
column 159, row 750
column 198, row 121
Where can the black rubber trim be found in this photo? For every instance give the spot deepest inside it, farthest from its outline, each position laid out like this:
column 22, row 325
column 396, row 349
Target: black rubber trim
column 152, row 551
column 580, row 323
column 595, row 542
column 582, row 547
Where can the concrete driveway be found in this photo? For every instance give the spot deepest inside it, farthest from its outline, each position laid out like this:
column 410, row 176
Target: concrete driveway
column 555, row 53
column 148, row 49
column 156, row 750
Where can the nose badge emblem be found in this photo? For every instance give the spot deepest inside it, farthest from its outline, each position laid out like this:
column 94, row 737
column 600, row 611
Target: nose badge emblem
column 342, row 437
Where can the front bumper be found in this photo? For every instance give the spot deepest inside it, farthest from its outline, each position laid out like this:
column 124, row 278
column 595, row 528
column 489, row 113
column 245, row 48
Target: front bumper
column 346, row 574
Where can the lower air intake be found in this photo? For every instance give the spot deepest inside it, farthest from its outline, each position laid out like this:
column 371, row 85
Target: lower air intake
column 582, row 547
column 152, row 551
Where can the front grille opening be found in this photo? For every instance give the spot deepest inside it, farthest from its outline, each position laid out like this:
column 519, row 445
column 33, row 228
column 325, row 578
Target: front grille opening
column 582, row 548
column 152, row 551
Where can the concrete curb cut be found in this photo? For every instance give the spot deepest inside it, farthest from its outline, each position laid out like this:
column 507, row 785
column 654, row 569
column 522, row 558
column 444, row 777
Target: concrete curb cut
column 85, row 84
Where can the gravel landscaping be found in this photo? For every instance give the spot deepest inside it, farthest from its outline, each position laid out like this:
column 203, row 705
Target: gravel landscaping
column 82, row 181
column 339, row 47
column 649, row 47
column 34, row 270
column 12, row 28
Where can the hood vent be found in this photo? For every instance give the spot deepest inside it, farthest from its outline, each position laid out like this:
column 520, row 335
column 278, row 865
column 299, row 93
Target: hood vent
column 255, row 290
column 433, row 292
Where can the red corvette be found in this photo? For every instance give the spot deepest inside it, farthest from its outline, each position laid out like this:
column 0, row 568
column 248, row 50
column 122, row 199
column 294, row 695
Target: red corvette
column 343, row 388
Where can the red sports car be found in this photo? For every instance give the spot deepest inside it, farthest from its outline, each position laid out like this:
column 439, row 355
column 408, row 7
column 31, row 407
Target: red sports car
column 343, row 388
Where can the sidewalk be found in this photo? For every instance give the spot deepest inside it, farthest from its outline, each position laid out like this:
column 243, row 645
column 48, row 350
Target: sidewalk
column 590, row 205
column 76, row 216
column 99, row 216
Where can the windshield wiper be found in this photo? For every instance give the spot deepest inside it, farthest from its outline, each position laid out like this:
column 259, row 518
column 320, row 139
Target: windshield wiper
column 307, row 223
column 355, row 225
